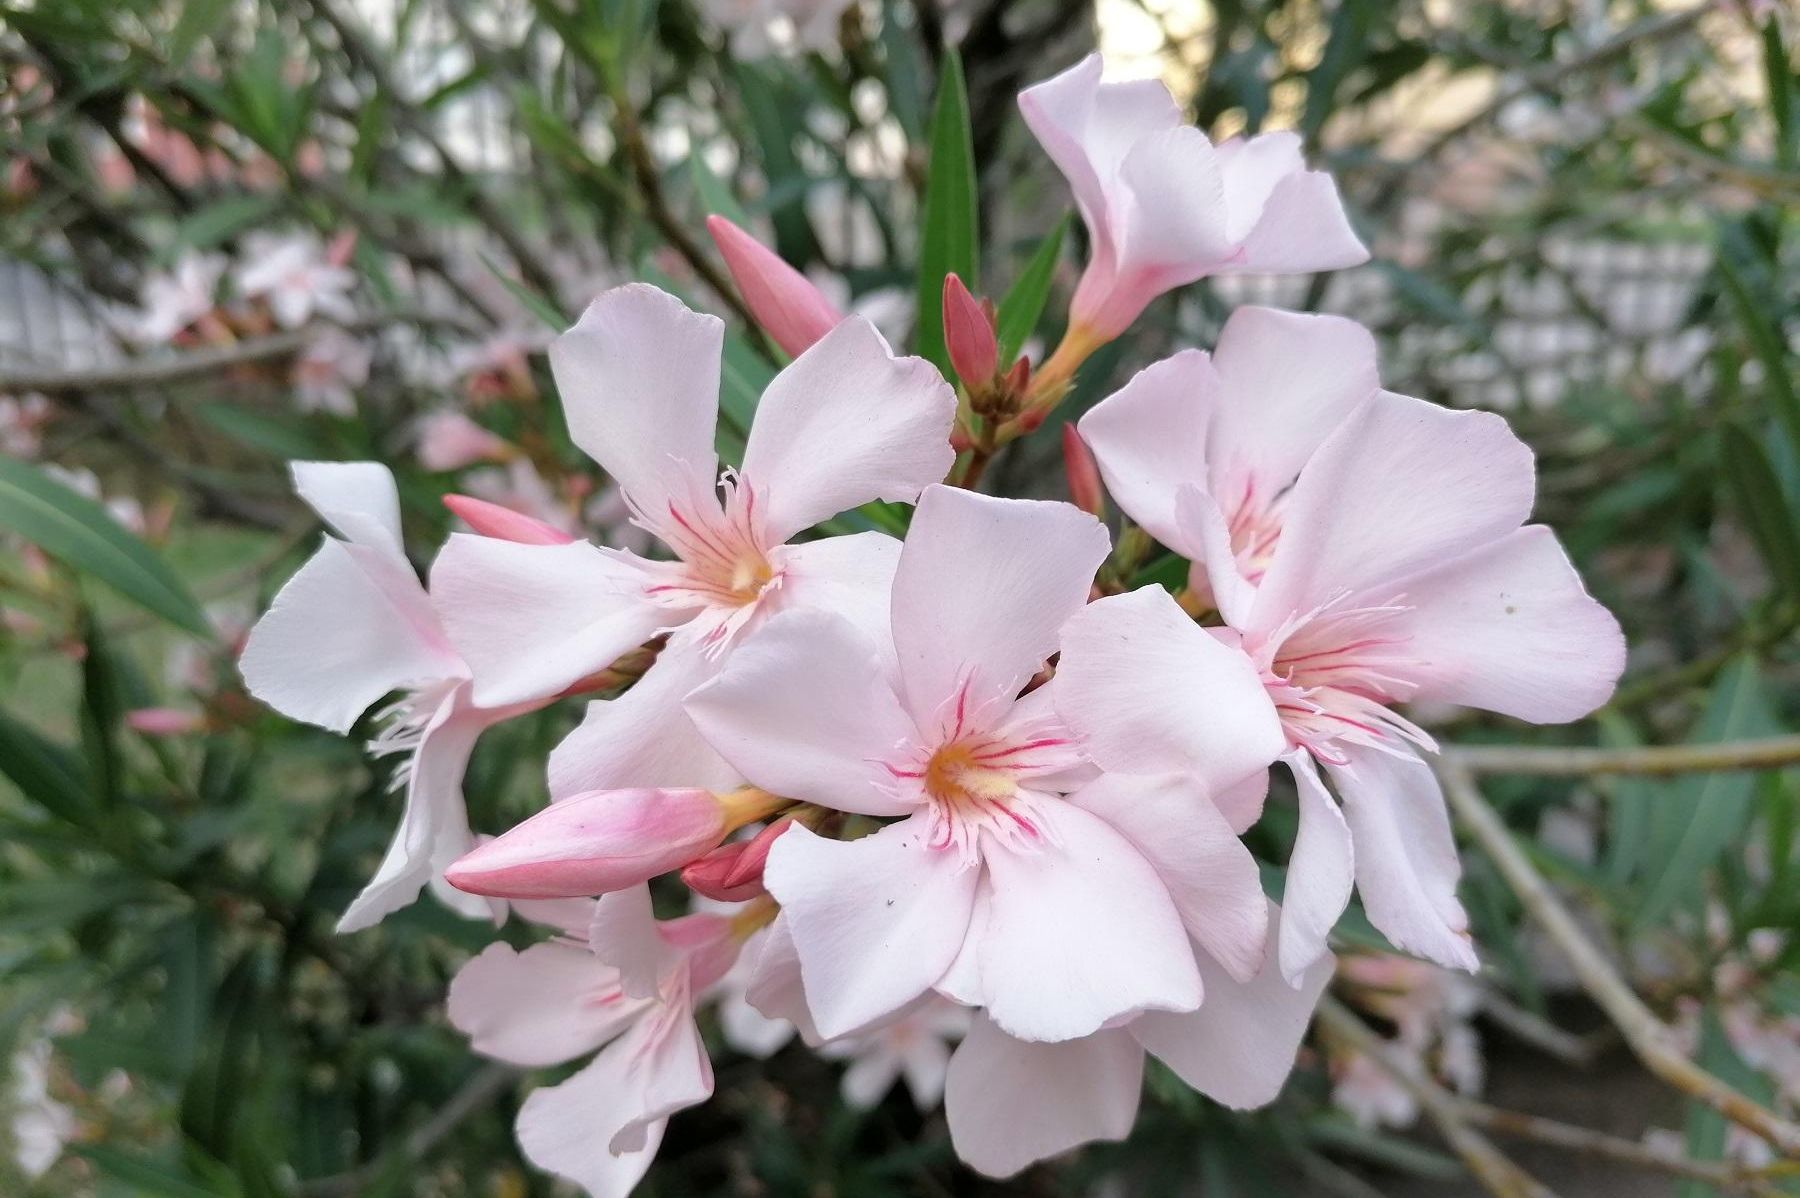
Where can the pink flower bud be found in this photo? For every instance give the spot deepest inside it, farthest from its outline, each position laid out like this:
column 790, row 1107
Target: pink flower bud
column 732, row 873
column 1082, row 472
column 449, row 441
column 788, row 307
column 594, row 843
column 164, row 721
column 504, row 524
column 969, row 334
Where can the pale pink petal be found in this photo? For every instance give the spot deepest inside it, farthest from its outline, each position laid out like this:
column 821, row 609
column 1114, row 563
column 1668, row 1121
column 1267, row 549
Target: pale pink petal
column 984, row 585
column 1252, row 167
column 1288, row 378
column 358, row 500
column 639, row 379
column 532, row 620
column 776, row 987
column 1088, row 127
column 1011, row 1103
column 333, row 641
column 875, row 921
column 1209, row 874
column 804, row 709
column 551, row 1003
column 850, row 576
column 1079, row 930
column 623, row 936
column 1242, row 803
column 847, row 422
column 869, row 1078
column 434, row 827
column 1406, row 863
column 1510, row 628
column 1149, row 438
column 1217, row 575
column 1398, row 486
column 1239, row 1047
column 644, row 738
column 1175, row 227
column 1150, row 691
column 1302, row 228
column 925, row 1066
column 1320, row 873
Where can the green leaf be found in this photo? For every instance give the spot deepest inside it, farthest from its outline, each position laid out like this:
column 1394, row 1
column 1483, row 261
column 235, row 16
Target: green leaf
column 539, row 306
column 949, row 236
column 715, row 198
column 1764, row 508
column 256, row 430
column 1025, row 299
column 1706, row 1128
column 149, row 1177
column 198, row 18
column 83, row 535
column 1702, row 815
column 1744, row 276
column 46, row 774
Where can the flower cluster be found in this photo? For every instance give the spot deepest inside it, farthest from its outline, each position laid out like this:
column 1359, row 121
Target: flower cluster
column 957, row 782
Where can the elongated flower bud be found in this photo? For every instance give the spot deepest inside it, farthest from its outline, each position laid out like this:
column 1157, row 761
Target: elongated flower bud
column 732, row 873
column 605, row 840
column 504, row 524
column 787, row 306
column 969, row 335
column 1082, row 472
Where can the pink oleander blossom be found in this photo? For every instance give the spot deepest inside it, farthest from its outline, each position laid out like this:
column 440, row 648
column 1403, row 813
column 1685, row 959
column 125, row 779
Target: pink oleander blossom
column 297, row 277
column 354, row 625
column 915, row 1047
column 172, row 300
column 846, row 423
column 616, row 980
column 1165, row 207
column 1009, row 861
column 1364, row 550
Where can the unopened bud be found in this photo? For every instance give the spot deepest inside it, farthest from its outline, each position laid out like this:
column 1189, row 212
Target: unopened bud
column 969, row 335
column 1082, row 472
column 1018, row 379
column 792, row 311
column 504, row 524
column 165, row 721
column 732, row 873
column 606, row 840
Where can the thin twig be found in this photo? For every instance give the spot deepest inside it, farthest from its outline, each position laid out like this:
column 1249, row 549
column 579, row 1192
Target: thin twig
column 191, row 364
column 1539, row 1033
column 1647, row 1036
column 1616, row 1148
column 1771, row 753
column 1497, row 1174
column 476, row 1093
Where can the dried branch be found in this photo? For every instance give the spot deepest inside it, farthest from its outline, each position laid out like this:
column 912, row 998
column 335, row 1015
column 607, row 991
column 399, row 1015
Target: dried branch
column 1497, row 1174
column 1647, row 1036
column 1616, row 1148
column 1772, row 753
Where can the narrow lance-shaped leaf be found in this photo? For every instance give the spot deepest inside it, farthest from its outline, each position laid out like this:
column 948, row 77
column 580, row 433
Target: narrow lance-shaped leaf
column 1764, row 508
column 1024, row 302
column 948, row 236
column 83, row 535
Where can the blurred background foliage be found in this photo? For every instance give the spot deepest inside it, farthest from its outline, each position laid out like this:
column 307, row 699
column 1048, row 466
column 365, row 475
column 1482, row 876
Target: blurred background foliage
column 1581, row 212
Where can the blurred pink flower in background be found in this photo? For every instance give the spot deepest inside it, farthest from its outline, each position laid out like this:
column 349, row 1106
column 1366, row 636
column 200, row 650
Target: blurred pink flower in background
column 297, row 276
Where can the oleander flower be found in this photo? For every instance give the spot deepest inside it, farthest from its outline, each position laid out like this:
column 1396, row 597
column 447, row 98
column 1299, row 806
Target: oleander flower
column 352, row 625
column 1164, row 206
column 914, row 1047
column 615, row 980
column 846, row 423
column 1009, row 861
column 171, row 300
column 297, row 277
column 1365, row 550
